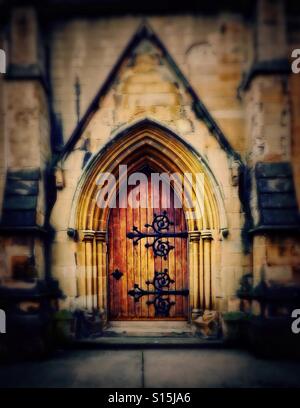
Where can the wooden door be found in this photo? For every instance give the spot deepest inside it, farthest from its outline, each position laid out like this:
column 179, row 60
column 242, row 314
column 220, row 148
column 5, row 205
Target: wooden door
column 130, row 265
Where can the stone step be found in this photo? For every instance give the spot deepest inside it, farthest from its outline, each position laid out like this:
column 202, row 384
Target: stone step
column 148, row 329
column 148, row 342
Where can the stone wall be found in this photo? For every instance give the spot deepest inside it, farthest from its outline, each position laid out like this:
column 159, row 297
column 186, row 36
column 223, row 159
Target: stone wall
column 212, row 55
column 258, row 113
column 26, row 131
column 293, row 39
column 211, row 51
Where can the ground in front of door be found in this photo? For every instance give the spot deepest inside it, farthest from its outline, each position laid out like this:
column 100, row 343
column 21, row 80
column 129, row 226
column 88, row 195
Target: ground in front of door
column 152, row 368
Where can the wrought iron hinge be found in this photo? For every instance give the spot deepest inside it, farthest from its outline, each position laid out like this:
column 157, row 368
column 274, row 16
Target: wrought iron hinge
column 161, row 302
column 160, row 229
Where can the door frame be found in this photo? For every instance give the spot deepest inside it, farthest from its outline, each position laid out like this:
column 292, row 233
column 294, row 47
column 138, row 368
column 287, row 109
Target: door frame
column 205, row 222
column 184, row 272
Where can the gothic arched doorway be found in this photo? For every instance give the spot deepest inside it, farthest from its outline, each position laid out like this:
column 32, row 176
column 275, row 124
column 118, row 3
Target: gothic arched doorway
column 147, row 277
column 100, row 231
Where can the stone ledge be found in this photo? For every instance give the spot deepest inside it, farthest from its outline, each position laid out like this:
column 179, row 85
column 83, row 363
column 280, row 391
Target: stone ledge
column 272, row 67
column 34, row 229
column 261, row 229
column 27, row 72
column 147, row 342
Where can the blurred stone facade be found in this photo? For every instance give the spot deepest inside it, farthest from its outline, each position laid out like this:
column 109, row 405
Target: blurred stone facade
column 163, row 69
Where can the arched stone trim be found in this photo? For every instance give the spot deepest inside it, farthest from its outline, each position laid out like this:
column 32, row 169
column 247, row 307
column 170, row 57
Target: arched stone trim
column 206, row 278
column 195, row 272
column 166, row 150
column 91, row 270
column 165, row 153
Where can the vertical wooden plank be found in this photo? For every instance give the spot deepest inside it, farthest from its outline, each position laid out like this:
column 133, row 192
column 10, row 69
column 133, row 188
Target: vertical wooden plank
column 172, row 254
column 156, row 211
column 150, row 256
column 104, row 273
column 129, row 261
column 137, row 259
column 111, row 235
column 122, row 282
column 184, row 273
column 144, row 250
column 118, row 265
column 179, row 282
column 101, row 266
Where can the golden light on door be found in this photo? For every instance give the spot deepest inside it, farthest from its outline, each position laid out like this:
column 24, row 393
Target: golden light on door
column 133, row 266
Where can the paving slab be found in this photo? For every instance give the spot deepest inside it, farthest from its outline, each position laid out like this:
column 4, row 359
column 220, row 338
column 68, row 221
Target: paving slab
column 103, row 368
column 161, row 368
column 217, row 368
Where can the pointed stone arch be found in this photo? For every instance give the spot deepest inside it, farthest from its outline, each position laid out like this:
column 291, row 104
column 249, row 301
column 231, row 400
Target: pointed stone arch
column 149, row 143
column 145, row 32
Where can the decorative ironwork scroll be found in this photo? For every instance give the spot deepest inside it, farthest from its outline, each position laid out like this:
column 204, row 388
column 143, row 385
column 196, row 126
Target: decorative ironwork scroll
column 161, row 291
column 160, row 230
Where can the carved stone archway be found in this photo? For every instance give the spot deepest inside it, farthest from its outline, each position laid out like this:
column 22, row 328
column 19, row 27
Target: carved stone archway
column 147, row 142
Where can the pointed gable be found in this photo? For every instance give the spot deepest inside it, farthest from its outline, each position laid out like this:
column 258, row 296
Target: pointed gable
column 145, row 82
